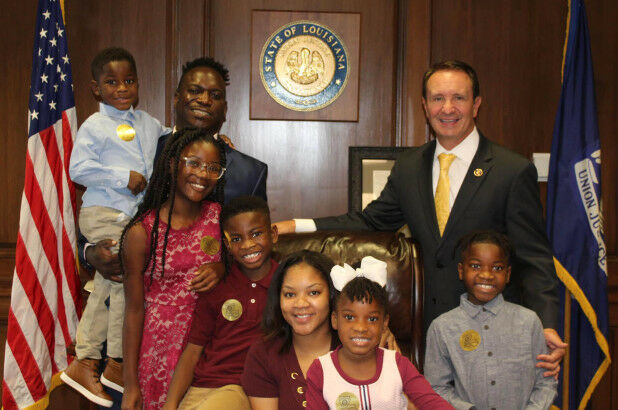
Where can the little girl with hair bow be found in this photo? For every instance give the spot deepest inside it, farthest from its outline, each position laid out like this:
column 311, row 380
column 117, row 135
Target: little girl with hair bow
column 359, row 374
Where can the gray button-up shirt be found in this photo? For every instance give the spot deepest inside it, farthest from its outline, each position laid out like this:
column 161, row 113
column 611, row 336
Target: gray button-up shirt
column 484, row 357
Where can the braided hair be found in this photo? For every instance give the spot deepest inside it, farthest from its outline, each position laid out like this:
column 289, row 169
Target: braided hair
column 162, row 187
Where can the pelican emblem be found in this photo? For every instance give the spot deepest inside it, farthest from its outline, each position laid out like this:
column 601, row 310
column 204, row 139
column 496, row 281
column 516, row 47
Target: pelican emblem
column 305, row 67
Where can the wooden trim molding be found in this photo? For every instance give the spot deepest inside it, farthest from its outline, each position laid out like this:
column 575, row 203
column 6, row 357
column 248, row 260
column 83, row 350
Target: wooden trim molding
column 414, row 51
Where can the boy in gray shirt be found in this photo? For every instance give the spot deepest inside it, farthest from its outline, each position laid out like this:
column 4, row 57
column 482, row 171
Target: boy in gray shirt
column 482, row 354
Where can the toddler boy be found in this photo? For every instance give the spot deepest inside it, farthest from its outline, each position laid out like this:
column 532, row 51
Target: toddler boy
column 227, row 320
column 482, row 354
column 113, row 158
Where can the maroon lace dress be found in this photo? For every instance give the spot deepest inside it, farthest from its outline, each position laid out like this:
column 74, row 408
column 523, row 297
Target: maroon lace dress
column 168, row 303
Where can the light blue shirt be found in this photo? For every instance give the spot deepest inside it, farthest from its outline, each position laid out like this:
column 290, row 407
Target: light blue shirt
column 494, row 370
column 101, row 161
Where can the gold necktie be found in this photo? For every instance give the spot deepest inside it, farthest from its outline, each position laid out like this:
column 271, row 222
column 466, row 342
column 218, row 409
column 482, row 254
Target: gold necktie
column 443, row 190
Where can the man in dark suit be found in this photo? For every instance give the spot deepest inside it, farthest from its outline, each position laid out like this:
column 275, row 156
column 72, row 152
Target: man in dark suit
column 458, row 183
column 199, row 101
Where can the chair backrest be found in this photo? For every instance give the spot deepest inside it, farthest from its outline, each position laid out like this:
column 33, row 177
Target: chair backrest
column 405, row 276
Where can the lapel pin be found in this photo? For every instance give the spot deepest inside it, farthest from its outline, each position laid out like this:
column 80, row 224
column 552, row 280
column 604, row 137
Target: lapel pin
column 125, row 132
column 478, row 172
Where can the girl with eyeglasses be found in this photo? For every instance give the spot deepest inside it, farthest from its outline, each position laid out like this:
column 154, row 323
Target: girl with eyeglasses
column 175, row 231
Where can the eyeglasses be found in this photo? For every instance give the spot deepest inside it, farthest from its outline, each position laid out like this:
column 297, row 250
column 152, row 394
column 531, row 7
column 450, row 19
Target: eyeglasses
column 214, row 170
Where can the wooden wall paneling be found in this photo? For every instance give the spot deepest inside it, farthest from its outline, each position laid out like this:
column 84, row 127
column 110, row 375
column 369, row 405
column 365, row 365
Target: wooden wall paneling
column 14, row 99
column 307, row 170
column 189, row 36
column 414, row 23
column 602, row 17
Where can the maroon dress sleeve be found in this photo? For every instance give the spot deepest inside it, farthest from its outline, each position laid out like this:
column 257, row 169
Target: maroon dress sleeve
column 257, row 379
column 417, row 388
column 315, row 384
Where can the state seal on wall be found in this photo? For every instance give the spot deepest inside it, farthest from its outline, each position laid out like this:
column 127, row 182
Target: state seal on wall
column 304, row 66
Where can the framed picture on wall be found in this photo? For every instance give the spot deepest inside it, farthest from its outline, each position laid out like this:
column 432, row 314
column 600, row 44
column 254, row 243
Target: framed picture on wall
column 368, row 170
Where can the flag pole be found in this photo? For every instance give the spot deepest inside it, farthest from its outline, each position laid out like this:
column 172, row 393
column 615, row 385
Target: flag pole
column 567, row 339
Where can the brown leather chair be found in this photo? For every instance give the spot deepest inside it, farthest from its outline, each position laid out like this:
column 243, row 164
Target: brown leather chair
column 405, row 276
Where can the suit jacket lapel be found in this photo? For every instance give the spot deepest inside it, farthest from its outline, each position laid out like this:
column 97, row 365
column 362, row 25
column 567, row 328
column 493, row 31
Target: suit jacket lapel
column 483, row 161
column 426, row 190
column 228, row 158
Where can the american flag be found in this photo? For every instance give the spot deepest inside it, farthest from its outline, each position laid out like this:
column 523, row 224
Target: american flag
column 45, row 298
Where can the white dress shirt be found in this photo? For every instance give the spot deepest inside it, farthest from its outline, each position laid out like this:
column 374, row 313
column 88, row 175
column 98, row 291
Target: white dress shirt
column 464, row 153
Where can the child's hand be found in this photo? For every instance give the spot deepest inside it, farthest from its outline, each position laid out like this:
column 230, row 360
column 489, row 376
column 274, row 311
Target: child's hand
column 207, row 276
column 227, row 140
column 137, row 182
column 388, row 341
column 132, row 399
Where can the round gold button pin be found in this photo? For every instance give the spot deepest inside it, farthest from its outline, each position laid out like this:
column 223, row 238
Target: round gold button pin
column 478, row 172
column 125, row 132
column 470, row 340
column 209, row 245
column 347, row 401
column 231, row 309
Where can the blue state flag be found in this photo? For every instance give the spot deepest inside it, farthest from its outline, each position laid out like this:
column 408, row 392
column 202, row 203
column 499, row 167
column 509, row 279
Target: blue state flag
column 574, row 214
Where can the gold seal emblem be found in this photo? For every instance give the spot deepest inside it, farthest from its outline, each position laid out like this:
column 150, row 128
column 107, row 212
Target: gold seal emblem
column 210, row 245
column 347, row 401
column 304, row 66
column 231, row 309
column 470, row 340
column 125, row 132
column 478, row 172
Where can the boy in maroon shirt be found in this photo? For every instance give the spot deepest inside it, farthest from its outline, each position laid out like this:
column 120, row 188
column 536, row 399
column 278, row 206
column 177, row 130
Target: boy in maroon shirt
column 227, row 320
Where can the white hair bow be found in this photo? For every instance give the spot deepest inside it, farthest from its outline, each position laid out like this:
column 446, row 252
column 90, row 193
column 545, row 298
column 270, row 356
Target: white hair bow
column 371, row 268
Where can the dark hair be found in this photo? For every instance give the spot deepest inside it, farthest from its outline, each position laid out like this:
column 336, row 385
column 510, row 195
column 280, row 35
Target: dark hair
column 208, row 62
column 244, row 204
column 363, row 290
column 107, row 56
column 274, row 325
column 162, row 187
column 492, row 237
column 453, row 65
